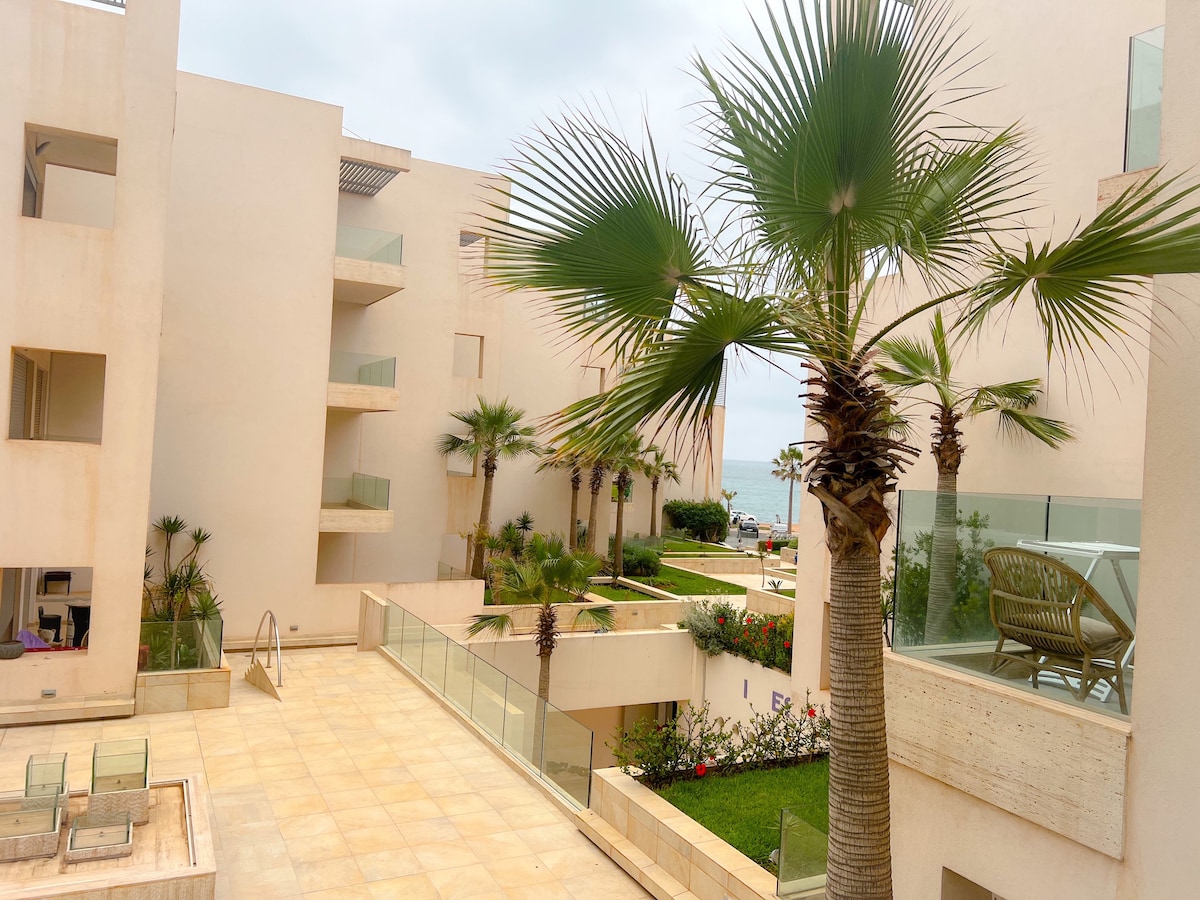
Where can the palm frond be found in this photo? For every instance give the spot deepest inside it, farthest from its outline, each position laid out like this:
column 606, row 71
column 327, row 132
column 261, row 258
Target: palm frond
column 1017, row 423
column 600, row 616
column 1008, row 395
column 499, row 624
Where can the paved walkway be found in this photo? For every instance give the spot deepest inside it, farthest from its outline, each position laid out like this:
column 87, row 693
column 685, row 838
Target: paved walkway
column 356, row 785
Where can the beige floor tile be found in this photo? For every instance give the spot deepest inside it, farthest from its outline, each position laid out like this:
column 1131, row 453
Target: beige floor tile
column 283, row 772
column 551, row 837
column 457, row 804
column 429, row 831
column 321, row 846
column 413, row 811
column 390, row 775
column 304, row 805
column 549, row 890
column 503, row 845
column 464, row 881
column 297, row 787
column 362, row 817
column 573, row 862
column 264, row 759
column 476, row 823
column 613, row 885
column 444, row 855
column 519, row 870
column 323, row 874
column 395, row 793
column 375, row 840
column 351, row 799
column 347, row 892
column 531, row 815
column 307, row 826
column 340, row 780
column 386, row 864
column 413, row 887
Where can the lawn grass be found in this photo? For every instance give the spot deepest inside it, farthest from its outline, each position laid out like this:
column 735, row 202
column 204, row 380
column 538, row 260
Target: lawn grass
column 693, row 554
column 743, row 809
column 683, row 582
column 680, row 545
column 618, row 594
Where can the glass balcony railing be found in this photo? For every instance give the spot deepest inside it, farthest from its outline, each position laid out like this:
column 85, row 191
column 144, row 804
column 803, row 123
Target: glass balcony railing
column 356, row 242
column 1143, row 119
column 803, row 856
column 552, row 744
column 359, row 491
column 360, row 368
column 1100, row 538
column 187, row 644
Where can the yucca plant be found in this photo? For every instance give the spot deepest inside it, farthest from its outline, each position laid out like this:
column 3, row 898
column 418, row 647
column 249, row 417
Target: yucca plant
column 840, row 153
column 924, row 373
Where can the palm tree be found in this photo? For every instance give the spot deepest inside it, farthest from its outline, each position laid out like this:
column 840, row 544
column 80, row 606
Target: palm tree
column 568, row 462
column 837, row 146
column 658, row 469
column 598, row 464
column 789, row 466
column 494, row 432
column 626, row 458
column 545, row 574
column 911, row 364
column 728, row 496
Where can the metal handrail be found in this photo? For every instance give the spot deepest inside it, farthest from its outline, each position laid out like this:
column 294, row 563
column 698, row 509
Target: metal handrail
column 278, row 649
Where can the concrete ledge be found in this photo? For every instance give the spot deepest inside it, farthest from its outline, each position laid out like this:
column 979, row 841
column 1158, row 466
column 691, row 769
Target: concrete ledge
column 181, row 689
column 769, row 602
column 362, row 397
column 68, row 709
column 671, row 855
column 720, row 565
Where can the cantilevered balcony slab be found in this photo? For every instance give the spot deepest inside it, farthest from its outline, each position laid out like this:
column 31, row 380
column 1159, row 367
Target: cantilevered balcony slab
column 363, row 398
column 367, row 264
column 347, row 519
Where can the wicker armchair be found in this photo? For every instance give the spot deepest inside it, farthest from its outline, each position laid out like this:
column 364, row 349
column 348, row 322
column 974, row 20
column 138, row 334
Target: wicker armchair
column 1038, row 602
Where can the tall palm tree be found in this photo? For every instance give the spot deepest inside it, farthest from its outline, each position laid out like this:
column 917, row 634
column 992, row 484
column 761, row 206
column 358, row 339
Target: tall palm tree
column 626, row 459
column 789, row 466
column 728, row 496
column 658, row 470
column 546, row 573
column 841, row 155
column 598, row 466
column 568, row 462
column 494, row 432
column 910, row 365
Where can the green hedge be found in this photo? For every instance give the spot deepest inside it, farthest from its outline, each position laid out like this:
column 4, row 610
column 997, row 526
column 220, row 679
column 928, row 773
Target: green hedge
column 724, row 628
column 706, row 520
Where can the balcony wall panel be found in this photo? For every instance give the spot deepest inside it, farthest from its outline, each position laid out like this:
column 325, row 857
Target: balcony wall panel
column 1051, row 763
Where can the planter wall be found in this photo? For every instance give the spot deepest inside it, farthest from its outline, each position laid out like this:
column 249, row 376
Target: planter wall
column 665, row 850
column 732, row 685
column 769, row 603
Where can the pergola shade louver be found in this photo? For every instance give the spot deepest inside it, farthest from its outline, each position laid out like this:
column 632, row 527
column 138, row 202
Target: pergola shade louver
column 368, row 179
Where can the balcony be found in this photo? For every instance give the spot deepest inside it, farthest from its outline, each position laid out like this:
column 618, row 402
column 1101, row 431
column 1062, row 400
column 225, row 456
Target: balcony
column 367, row 265
column 358, row 504
column 1099, row 538
column 362, row 383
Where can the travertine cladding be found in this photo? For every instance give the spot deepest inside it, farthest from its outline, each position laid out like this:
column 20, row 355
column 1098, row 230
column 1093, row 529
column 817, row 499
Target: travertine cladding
column 671, row 855
column 30, row 846
column 135, row 802
column 160, row 692
column 629, row 615
column 769, row 603
column 1052, row 763
column 362, row 397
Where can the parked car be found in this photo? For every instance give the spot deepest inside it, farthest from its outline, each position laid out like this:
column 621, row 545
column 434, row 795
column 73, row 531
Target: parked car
column 736, row 517
column 748, row 525
column 779, row 532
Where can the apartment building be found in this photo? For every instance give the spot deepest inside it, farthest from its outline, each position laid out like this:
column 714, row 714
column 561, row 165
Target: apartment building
column 220, row 308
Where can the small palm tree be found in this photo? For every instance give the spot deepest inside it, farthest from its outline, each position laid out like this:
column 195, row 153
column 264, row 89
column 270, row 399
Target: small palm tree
column 627, row 458
column 789, row 467
column 545, row 574
column 728, row 496
column 568, row 462
column 494, row 432
column 658, row 469
column 912, row 365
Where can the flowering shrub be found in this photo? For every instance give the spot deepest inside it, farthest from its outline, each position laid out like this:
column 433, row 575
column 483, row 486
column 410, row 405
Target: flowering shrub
column 693, row 744
column 722, row 628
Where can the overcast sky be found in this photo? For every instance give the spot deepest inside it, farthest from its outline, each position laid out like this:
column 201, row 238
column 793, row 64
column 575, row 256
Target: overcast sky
column 458, row 82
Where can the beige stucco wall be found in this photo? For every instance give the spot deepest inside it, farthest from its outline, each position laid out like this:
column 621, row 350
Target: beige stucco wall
column 77, row 288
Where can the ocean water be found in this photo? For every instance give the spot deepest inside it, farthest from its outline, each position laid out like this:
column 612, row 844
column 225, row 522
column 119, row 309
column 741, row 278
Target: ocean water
column 758, row 491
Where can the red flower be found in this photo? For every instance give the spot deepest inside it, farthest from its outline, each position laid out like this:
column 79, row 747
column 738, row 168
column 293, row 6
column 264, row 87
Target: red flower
column 721, row 621
column 736, row 640
column 787, row 645
column 745, row 634
column 812, row 713
column 772, row 623
column 765, row 629
column 701, row 770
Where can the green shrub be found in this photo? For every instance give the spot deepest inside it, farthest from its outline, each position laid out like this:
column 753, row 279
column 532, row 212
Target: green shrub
column 776, row 546
column 724, row 628
column 693, row 743
column 707, row 519
column 640, row 561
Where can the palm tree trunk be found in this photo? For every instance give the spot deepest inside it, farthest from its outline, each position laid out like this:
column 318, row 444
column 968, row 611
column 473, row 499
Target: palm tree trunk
column 619, row 538
column 943, row 561
column 485, row 513
column 860, row 864
column 573, row 529
column 597, row 482
column 547, row 628
column 654, row 507
column 791, row 490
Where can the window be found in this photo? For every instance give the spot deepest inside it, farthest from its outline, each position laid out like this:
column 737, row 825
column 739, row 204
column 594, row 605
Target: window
column 1143, row 119
column 56, row 396
column 591, row 381
column 468, row 356
column 52, row 603
column 69, row 177
column 955, row 887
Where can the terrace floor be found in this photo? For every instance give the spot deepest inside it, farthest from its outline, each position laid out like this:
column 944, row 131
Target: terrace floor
column 357, row 784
